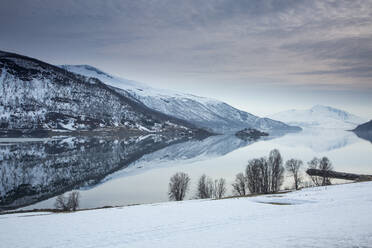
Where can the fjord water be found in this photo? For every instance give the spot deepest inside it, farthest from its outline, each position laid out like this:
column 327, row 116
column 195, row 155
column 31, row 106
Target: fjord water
column 122, row 172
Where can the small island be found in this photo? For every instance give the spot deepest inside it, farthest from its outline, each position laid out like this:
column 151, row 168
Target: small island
column 364, row 131
column 250, row 134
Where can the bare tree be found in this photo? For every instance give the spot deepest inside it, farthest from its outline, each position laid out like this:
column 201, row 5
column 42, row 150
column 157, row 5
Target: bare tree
column 61, row 203
column 323, row 164
column 265, row 175
column 293, row 167
column 253, row 175
column 178, row 186
column 314, row 164
column 219, row 189
column 205, row 187
column 70, row 203
column 73, row 200
column 275, row 162
column 240, row 185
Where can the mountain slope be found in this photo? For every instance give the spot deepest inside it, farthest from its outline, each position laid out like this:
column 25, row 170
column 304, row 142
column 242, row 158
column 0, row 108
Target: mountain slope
column 319, row 116
column 38, row 96
column 204, row 112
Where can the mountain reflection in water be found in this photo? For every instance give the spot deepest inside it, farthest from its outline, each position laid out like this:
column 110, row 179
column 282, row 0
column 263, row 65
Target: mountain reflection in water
column 136, row 170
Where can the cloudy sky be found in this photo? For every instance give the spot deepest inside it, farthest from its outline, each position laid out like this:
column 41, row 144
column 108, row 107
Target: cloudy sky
column 260, row 56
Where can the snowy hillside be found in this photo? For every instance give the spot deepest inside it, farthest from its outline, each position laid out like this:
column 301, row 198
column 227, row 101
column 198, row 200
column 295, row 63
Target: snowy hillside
column 38, row 96
column 332, row 216
column 203, row 112
column 319, row 116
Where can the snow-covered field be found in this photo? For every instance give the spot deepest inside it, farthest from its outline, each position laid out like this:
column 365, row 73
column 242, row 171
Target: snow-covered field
column 333, row 216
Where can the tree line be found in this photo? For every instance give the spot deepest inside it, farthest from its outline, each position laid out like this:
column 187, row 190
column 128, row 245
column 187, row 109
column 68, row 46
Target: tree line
column 261, row 176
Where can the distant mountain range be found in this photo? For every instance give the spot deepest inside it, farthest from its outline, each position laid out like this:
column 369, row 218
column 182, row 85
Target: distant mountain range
column 40, row 97
column 319, row 116
column 207, row 113
column 36, row 97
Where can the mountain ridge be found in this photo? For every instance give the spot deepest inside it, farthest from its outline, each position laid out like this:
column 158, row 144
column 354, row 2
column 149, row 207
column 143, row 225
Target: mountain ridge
column 319, row 116
column 37, row 96
column 207, row 113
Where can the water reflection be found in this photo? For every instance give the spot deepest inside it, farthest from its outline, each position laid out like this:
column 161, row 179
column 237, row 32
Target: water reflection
column 365, row 135
column 34, row 171
column 320, row 139
column 185, row 153
column 137, row 170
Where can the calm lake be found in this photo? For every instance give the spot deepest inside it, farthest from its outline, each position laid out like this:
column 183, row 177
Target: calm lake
column 111, row 172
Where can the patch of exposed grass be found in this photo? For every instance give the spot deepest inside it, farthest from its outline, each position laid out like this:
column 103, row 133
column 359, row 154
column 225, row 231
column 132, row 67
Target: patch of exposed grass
column 277, row 203
column 276, row 194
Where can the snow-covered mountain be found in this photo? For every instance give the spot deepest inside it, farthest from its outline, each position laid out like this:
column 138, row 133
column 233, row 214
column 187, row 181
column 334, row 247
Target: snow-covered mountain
column 201, row 111
column 39, row 97
column 319, row 116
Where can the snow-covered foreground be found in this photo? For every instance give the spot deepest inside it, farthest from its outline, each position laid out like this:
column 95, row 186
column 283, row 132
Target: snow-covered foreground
column 333, row 216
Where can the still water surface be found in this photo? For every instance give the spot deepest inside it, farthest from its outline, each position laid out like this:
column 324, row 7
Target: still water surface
column 119, row 172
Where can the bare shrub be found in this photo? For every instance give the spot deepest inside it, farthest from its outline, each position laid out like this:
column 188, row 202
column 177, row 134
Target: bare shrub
column 240, row 185
column 178, row 186
column 323, row 164
column 293, row 167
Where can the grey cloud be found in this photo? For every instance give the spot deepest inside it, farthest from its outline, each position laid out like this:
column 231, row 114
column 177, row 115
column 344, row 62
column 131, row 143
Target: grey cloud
column 237, row 42
column 350, row 57
column 365, row 72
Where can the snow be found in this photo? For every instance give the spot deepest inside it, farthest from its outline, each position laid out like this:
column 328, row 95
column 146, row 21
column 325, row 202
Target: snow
column 36, row 95
column 68, row 126
column 137, row 88
column 201, row 111
column 16, row 140
column 332, row 216
column 319, row 116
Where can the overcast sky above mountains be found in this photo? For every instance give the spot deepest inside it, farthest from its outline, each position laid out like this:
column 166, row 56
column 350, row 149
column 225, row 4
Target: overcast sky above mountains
column 260, row 56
